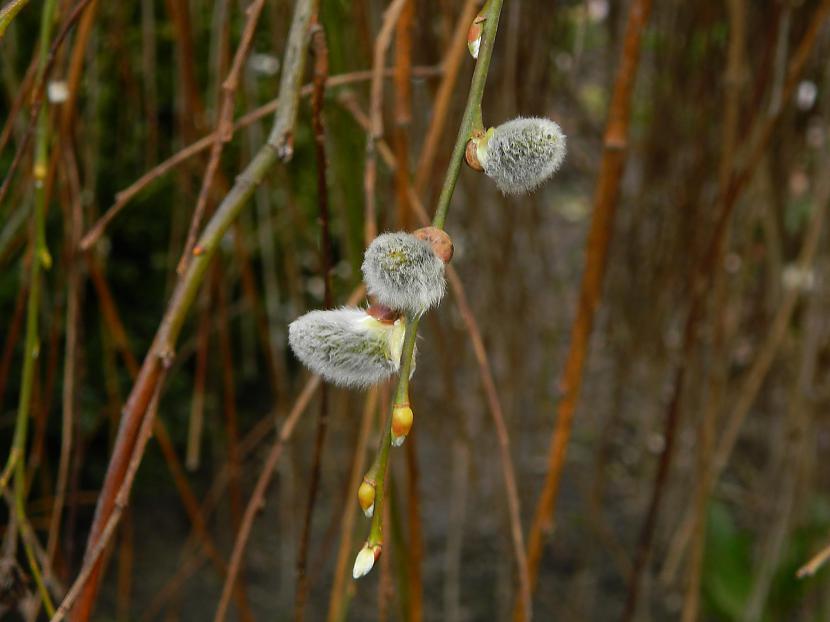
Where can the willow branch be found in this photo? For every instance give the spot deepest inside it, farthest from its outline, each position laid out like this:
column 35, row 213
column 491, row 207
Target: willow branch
column 279, row 147
column 597, row 245
column 472, row 115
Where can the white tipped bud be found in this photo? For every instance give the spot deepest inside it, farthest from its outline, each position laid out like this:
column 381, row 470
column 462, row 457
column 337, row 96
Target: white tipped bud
column 365, row 560
column 366, row 497
column 402, row 418
column 348, row 347
column 404, row 273
column 522, row 154
column 474, row 35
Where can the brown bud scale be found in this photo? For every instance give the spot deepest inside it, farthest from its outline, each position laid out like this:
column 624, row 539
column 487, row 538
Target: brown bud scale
column 382, row 313
column 439, row 240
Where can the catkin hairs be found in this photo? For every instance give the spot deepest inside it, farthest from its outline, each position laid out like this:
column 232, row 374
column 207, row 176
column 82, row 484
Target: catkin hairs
column 522, row 154
column 347, row 347
column 404, row 272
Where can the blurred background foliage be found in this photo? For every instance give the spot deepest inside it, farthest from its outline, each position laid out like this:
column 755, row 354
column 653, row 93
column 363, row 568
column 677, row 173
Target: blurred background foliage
column 149, row 87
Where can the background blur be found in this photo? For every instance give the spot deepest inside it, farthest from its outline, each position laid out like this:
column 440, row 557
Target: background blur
column 144, row 82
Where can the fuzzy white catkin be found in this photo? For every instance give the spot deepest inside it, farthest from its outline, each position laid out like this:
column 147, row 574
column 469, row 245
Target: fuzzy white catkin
column 522, row 154
column 347, row 347
column 403, row 273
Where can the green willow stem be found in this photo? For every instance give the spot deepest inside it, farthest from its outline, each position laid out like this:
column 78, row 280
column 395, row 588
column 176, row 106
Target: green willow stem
column 278, row 148
column 39, row 258
column 8, row 13
column 401, row 397
column 470, row 121
column 472, row 113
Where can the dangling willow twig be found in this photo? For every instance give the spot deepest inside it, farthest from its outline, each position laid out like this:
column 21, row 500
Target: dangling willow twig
column 470, row 123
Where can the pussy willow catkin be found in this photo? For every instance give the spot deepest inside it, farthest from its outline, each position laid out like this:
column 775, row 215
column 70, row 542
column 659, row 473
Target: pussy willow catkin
column 404, row 272
column 522, row 154
column 348, row 347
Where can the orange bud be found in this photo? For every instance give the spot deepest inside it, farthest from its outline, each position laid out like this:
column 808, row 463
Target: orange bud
column 401, row 423
column 366, row 497
column 474, row 34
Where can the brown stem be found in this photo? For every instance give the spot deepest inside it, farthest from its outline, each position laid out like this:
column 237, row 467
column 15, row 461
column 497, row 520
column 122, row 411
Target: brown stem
column 702, row 277
column 375, row 130
column 73, row 229
column 224, row 126
column 189, row 501
column 338, row 597
column 13, row 332
column 321, row 70
column 599, row 239
column 231, row 427
column 403, row 111
column 278, row 147
column 257, row 500
column 123, row 197
column 195, row 423
column 122, row 498
column 717, row 373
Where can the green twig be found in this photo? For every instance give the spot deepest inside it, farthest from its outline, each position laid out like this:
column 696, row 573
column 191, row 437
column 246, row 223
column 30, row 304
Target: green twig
column 39, row 257
column 380, row 468
column 8, row 13
column 278, row 148
column 472, row 113
column 469, row 122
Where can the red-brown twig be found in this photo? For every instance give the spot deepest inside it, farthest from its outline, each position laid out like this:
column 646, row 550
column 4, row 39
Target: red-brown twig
column 716, row 374
column 344, row 552
column 403, row 112
column 375, row 130
column 231, row 425
column 599, row 238
column 224, row 126
column 37, row 92
column 122, row 498
column 321, row 70
column 702, row 277
column 190, row 503
column 257, row 500
column 123, row 197
column 278, row 147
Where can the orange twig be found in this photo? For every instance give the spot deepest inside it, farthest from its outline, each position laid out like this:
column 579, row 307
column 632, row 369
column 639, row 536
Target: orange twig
column 224, row 127
column 701, row 278
column 123, row 197
column 599, row 239
column 321, row 70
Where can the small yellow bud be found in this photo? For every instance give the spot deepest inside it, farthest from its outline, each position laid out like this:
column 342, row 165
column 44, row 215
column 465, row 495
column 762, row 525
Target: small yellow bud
column 366, row 497
column 401, row 423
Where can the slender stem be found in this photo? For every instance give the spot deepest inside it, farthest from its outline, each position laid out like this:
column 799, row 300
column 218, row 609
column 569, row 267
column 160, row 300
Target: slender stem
column 39, row 258
column 8, row 13
column 382, row 462
column 278, row 147
column 597, row 247
column 472, row 112
column 321, row 70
